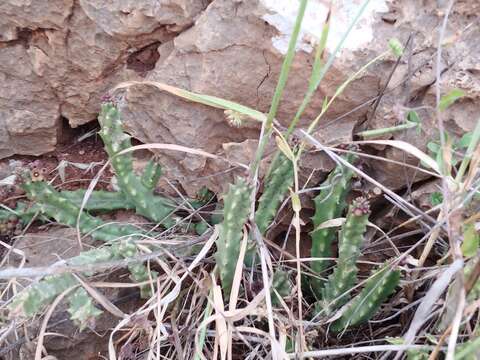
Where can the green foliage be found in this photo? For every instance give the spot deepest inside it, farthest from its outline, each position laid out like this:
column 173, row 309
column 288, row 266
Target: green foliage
column 236, row 209
column 475, row 291
column 469, row 350
column 436, row 198
column 140, row 273
column 345, row 273
column 201, row 227
column 277, row 183
column 12, row 221
column 396, row 47
column 329, row 204
column 64, row 207
column 412, row 354
column 202, row 198
column 53, row 205
column 458, row 146
column 81, row 308
column 418, row 354
column 33, row 299
column 450, row 98
column 151, row 175
column 377, row 289
column 138, row 191
column 281, row 285
column 99, row 200
column 471, row 240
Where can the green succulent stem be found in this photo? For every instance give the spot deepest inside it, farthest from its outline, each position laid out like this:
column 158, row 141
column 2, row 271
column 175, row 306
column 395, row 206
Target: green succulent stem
column 383, row 131
column 151, row 174
column 277, row 183
column 137, row 191
column 52, row 204
column 32, row 299
column 81, row 308
column 329, row 204
column 377, row 289
column 235, row 214
column 345, row 273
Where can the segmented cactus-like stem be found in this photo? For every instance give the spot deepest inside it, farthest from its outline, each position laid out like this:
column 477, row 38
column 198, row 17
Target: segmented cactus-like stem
column 329, row 204
column 32, row 299
column 377, row 289
column 138, row 191
column 235, row 214
column 151, row 174
column 81, row 308
column 345, row 273
column 53, row 205
column 99, row 200
column 277, row 183
column 138, row 272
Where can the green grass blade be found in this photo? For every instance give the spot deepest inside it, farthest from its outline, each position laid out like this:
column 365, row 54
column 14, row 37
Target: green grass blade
column 468, row 154
column 282, row 81
column 469, row 350
column 203, row 331
column 315, row 77
column 208, row 100
column 332, row 57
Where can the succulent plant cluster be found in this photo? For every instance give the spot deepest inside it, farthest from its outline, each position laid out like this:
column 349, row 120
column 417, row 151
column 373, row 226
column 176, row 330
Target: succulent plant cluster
column 330, row 204
column 136, row 193
column 336, row 290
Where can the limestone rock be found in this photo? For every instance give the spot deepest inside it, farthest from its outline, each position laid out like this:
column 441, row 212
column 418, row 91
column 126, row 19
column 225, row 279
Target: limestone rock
column 59, row 57
column 29, row 111
column 132, row 17
column 35, row 14
column 228, row 53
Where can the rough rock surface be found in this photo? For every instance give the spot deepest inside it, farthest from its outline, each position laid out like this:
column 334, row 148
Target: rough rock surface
column 29, row 111
column 133, row 17
column 57, row 58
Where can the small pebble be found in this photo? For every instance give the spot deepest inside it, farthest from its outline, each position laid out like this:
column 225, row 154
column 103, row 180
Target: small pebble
column 81, row 152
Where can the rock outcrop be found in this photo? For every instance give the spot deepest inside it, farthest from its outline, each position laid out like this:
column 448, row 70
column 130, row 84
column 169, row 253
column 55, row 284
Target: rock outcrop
column 57, row 59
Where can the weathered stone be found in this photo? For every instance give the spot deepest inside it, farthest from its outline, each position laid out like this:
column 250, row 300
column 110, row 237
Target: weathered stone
column 131, row 17
column 36, row 14
column 413, row 84
column 29, row 110
column 57, row 61
column 77, row 51
column 228, row 53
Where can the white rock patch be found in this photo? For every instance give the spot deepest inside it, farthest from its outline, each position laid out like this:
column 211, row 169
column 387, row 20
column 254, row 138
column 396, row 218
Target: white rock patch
column 281, row 14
